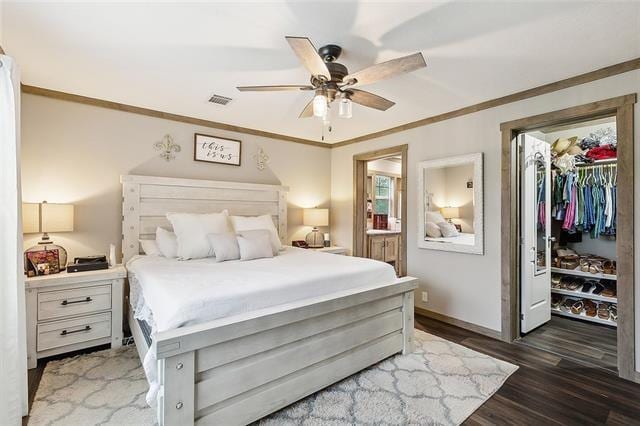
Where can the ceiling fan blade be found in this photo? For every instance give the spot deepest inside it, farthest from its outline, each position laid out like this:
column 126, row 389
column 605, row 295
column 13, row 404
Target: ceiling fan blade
column 308, row 55
column 307, row 111
column 370, row 100
column 387, row 69
column 274, row 88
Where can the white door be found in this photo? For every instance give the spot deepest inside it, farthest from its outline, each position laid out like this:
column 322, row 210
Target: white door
column 535, row 289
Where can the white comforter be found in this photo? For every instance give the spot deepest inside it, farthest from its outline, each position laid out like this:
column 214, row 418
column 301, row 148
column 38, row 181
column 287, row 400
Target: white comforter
column 168, row 293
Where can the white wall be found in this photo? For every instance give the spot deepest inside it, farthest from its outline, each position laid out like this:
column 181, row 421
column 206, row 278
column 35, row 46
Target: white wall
column 464, row 286
column 76, row 153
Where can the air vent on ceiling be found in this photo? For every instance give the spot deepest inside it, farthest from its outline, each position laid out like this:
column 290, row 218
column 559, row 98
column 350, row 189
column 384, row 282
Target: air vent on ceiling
column 220, row 100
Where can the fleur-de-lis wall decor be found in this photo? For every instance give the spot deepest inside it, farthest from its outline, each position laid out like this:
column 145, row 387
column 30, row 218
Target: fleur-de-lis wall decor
column 167, row 147
column 262, row 159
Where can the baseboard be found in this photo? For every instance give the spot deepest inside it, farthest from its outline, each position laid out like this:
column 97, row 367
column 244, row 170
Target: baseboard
column 459, row 323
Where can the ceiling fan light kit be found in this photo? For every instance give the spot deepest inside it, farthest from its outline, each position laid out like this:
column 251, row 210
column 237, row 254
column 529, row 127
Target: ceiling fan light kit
column 332, row 81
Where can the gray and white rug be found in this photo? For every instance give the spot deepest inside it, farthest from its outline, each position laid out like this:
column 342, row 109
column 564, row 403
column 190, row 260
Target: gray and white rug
column 440, row 383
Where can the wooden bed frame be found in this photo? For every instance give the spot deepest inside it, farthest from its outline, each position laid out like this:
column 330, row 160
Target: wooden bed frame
column 238, row 369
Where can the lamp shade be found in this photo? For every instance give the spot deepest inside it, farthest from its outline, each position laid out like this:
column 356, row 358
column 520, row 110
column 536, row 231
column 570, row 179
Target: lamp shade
column 450, row 212
column 56, row 217
column 315, row 217
column 30, row 218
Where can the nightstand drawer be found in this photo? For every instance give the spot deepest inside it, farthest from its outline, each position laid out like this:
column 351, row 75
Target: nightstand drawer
column 68, row 332
column 77, row 301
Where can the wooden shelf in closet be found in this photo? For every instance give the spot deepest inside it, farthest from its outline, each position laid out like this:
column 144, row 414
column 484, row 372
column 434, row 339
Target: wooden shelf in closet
column 577, row 272
column 584, row 317
column 580, row 295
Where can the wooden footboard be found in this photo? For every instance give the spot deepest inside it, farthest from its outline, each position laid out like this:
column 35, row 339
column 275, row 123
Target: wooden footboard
column 239, row 369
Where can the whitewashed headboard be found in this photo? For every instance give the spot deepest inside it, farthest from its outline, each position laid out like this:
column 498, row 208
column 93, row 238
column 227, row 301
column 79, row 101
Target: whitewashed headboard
column 147, row 199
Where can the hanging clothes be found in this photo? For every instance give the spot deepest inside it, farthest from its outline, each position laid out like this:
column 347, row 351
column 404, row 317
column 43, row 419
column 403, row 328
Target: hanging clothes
column 584, row 199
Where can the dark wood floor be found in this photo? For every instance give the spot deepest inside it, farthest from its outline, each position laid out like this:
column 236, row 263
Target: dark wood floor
column 582, row 341
column 547, row 388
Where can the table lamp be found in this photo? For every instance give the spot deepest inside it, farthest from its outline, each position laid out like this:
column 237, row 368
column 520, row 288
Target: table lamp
column 450, row 213
column 47, row 217
column 315, row 218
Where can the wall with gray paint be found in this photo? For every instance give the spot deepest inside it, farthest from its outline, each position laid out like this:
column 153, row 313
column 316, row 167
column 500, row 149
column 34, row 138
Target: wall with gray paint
column 73, row 153
column 464, row 286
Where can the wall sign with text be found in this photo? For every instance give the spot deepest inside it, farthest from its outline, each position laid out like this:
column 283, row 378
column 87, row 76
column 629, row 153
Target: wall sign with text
column 214, row 149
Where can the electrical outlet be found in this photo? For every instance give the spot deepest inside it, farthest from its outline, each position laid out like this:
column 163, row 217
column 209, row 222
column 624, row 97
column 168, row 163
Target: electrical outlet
column 425, row 296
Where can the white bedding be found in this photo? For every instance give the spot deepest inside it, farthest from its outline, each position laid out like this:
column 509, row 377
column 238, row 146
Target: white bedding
column 169, row 293
column 461, row 238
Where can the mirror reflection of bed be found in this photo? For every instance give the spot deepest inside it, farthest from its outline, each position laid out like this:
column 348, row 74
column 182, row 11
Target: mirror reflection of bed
column 451, row 191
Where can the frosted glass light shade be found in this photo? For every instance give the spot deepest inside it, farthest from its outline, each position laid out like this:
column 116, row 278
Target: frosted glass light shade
column 30, row 218
column 450, row 212
column 56, row 217
column 345, row 108
column 320, row 105
column 315, row 217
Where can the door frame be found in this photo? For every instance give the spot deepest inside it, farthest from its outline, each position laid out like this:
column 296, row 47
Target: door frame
column 360, row 201
column 622, row 108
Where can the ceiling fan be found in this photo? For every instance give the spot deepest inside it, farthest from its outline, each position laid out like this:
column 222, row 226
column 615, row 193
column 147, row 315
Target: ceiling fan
column 331, row 80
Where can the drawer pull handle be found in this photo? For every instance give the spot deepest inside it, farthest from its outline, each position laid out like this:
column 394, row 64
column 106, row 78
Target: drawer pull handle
column 65, row 332
column 66, row 302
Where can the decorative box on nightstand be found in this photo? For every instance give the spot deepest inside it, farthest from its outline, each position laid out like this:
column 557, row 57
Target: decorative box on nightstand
column 332, row 249
column 71, row 311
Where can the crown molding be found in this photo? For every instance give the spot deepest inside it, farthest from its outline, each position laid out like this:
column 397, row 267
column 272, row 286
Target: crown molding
column 64, row 96
column 588, row 77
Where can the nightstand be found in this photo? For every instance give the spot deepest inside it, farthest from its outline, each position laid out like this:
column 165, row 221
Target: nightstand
column 332, row 249
column 71, row 311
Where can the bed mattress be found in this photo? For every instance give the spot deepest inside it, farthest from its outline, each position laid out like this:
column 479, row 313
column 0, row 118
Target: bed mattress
column 168, row 293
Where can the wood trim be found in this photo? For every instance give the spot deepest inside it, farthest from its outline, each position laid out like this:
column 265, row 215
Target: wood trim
column 588, row 77
column 508, row 245
column 598, row 74
column 458, row 323
column 622, row 108
column 567, row 115
column 360, row 203
column 625, row 242
column 54, row 94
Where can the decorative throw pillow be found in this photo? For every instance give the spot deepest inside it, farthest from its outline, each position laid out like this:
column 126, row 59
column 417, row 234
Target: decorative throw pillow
column 432, row 230
column 167, row 243
column 448, row 229
column 434, row 217
column 254, row 245
column 150, row 247
column 192, row 229
column 225, row 246
column 243, row 223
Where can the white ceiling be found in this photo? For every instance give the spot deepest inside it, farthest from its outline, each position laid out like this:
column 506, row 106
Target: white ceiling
column 172, row 57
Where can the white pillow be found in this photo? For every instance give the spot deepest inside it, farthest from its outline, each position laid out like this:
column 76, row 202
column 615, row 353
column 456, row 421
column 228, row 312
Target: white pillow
column 242, row 223
column 150, row 247
column 448, row 229
column 167, row 243
column 225, row 246
column 254, row 245
column 192, row 229
column 434, row 217
column 432, row 230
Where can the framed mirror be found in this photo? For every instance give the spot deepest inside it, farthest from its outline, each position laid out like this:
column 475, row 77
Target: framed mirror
column 450, row 216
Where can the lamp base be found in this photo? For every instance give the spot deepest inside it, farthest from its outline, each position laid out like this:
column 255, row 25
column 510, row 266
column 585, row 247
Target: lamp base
column 315, row 239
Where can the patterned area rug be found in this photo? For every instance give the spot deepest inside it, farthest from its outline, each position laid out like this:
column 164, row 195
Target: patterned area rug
column 440, row 383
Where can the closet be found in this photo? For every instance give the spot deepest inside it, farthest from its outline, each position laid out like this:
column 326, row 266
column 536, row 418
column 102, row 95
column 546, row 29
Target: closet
column 568, row 283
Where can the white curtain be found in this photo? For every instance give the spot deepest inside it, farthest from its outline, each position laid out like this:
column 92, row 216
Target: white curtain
column 13, row 358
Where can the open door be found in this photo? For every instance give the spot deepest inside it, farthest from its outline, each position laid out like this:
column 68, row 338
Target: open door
column 535, row 251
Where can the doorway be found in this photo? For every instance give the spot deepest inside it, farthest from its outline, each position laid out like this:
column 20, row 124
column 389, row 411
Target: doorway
column 568, row 226
column 380, row 204
column 563, row 289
